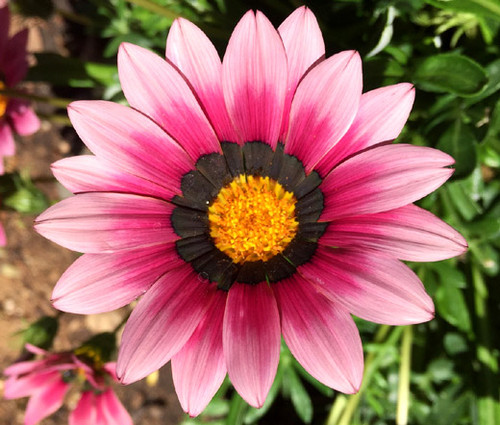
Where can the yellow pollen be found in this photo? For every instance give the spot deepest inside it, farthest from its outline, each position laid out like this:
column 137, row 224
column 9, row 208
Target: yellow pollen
column 4, row 100
column 252, row 218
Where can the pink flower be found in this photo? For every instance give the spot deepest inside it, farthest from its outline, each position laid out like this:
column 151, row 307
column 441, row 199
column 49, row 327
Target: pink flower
column 47, row 380
column 15, row 114
column 247, row 200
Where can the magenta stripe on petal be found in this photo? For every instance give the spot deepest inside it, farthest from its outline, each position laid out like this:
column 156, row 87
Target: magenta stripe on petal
column 317, row 121
column 88, row 173
column 162, row 322
column 381, row 116
column 304, row 46
column 156, row 88
column 85, row 411
column 193, row 53
column 17, row 387
column 199, row 368
column 107, row 222
column 96, row 283
column 383, row 178
column 130, row 141
column 112, row 409
column 320, row 334
column 251, row 338
column 254, row 79
column 408, row 233
column 45, row 402
column 373, row 287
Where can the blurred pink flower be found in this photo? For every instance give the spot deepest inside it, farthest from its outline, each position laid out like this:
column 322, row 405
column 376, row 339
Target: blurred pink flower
column 47, row 380
column 247, row 200
column 15, row 114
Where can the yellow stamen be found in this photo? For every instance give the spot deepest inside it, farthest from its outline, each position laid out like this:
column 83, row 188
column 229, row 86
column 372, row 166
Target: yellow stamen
column 4, row 100
column 252, row 218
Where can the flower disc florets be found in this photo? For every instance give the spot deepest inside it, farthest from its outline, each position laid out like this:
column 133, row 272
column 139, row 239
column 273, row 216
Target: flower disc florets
column 252, row 218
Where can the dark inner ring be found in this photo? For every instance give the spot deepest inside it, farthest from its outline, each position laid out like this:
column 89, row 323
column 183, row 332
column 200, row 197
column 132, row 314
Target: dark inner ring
column 202, row 185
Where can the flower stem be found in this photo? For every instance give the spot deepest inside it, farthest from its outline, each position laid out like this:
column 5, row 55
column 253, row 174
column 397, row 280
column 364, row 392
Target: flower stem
column 404, row 377
column 488, row 404
column 55, row 101
column 372, row 363
column 155, row 8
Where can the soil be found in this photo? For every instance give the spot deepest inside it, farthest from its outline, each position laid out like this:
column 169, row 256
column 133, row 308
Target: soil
column 30, row 266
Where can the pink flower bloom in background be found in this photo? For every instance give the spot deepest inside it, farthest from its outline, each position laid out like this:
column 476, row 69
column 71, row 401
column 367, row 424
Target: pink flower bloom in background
column 47, row 380
column 16, row 116
column 247, row 200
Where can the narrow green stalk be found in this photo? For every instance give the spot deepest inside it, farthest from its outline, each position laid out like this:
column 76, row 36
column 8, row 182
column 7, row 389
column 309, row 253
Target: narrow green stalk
column 404, row 377
column 372, row 363
column 56, row 118
column 488, row 404
column 155, row 8
column 122, row 322
column 55, row 101
column 237, row 410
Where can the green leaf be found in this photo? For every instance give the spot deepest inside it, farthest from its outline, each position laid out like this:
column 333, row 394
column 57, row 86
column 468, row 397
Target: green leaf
column 459, row 141
column 486, row 8
column 451, row 73
column 493, row 85
column 449, row 297
column 300, row 398
column 24, row 196
column 62, row 71
column 41, row 333
column 454, row 343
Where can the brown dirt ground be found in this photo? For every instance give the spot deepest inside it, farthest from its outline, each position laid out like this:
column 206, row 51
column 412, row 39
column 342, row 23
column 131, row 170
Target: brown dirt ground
column 31, row 265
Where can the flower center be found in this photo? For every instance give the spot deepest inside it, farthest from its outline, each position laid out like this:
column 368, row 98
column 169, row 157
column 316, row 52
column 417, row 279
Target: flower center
column 3, row 100
column 252, row 218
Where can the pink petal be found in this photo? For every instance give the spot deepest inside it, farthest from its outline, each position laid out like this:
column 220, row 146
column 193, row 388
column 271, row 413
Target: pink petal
column 7, row 145
column 324, row 106
column 251, row 338
column 162, row 322
column 408, row 233
column 96, row 283
column 199, row 368
column 17, row 387
column 131, row 141
column 39, row 351
column 195, row 56
column 381, row 116
column 88, row 173
column 107, row 222
column 155, row 87
column 371, row 286
column 85, row 411
column 304, row 47
column 110, row 368
column 3, row 237
column 112, row 409
column 23, row 118
column 45, row 402
column 383, row 178
column 254, row 79
column 320, row 334
column 14, row 64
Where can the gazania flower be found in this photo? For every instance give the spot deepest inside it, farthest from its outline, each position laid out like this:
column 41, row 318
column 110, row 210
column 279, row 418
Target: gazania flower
column 47, row 380
column 247, row 200
column 15, row 114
